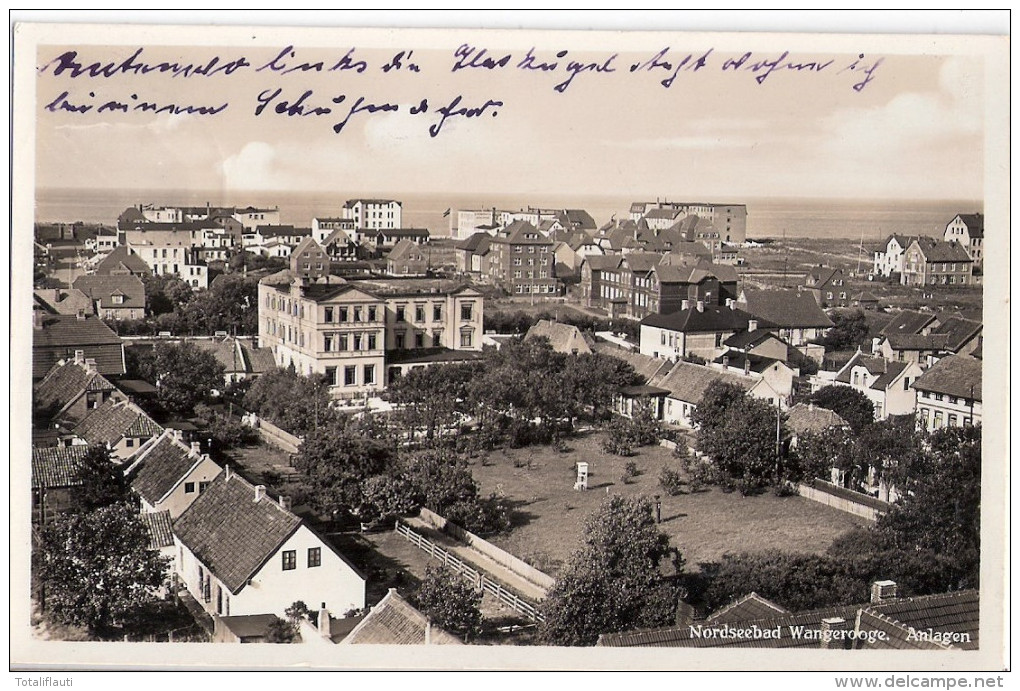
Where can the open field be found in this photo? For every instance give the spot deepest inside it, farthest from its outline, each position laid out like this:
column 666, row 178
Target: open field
column 703, row 526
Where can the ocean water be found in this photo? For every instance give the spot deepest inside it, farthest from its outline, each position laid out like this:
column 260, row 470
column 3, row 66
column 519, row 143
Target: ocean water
column 773, row 217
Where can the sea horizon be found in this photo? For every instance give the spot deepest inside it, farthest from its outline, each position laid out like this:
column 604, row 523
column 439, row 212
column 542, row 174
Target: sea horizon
column 771, row 217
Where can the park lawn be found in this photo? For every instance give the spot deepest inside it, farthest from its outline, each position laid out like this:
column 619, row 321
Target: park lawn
column 704, row 526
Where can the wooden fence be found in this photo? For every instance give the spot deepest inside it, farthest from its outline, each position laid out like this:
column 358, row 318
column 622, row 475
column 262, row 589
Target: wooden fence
column 280, row 438
column 843, row 499
column 477, row 578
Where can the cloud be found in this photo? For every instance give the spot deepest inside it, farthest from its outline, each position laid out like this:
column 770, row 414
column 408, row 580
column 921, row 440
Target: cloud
column 254, row 167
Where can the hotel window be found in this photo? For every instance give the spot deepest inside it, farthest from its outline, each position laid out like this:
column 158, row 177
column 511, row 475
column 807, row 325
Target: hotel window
column 437, row 339
column 314, row 557
column 331, row 375
column 467, row 311
column 531, row 249
column 371, row 341
column 189, row 487
column 419, row 340
column 952, row 421
column 357, row 341
column 437, row 313
column 517, row 261
column 342, row 342
column 343, row 314
column 400, row 314
column 372, row 314
column 327, row 342
column 350, row 375
column 289, row 559
column 357, row 314
column 398, row 341
column 419, row 314
column 465, row 338
column 369, row 373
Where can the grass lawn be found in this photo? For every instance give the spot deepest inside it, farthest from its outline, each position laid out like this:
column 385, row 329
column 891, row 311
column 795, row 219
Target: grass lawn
column 703, row 526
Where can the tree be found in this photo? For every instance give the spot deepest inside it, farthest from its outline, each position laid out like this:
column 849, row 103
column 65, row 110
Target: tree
column 282, row 631
column 451, row 602
column 739, row 433
column 102, row 482
column 184, row 375
column 97, row 568
column 817, row 453
column 230, row 304
column 850, row 329
column 296, row 403
column 614, row 581
column 848, row 403
column 165, row 294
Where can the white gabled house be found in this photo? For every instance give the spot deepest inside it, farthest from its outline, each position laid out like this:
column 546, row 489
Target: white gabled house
column 887, row 384
column 168, row 475
column 241, row 553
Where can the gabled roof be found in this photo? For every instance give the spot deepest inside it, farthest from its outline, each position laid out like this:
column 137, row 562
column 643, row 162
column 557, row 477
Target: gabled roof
column 115, row 420
column 275, row 231
column 60, row 335
column 604, row 262
column 660, row 213
column 257, row 360
column 743, row 340
column 820, row 276
column 886, row 371
column 975, row 224
column 955, row 612
column 957, row 332
column 907, row 341
column 752, row 606
column 403, row 251
column 65, row 383
column 476, row 243
column 954, row 375
column 811, row 419
column 160, row 527
column 561, row 336
column 688, row 382
column 225, row 352
column 747, row 361
column 393, row 621
column 162, row 467
column 652, row 369
column 57, row 466
column 787, row 309
column 942, row 251
column 711, row 319
column 231, row 533
column 122, row 260
column 102, row 288
column 522, row 233
column 64, row 301
column 907, row 322
column 640, row 262
column 577, row 219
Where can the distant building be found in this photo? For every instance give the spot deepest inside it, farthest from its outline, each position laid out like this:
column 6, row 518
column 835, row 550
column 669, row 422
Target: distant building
column 168, row 475
column 408, row 258
column 72, row 389
column 114, row 297
column 377, row 214
column 118, row 425
column 696, row 329
column 969, row 231
column 886, row 384
column 729, row 220
column 251, row 217
column 929, row 262
column 65, row 337
column 564, row 338
column 393, row 621
column 828, row 286
column 521, row 260
column 123, row 261
column 889, row 258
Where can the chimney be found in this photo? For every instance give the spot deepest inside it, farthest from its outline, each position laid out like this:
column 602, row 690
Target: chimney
column 260, row 491
column 323, row 624
column 881, row 591
column 37, row 319
column 685, row 305
column 285, row 503
column 176, row 434
column 875, row 345
column 81, row 315
column 79, row 357
column 701, row 305
column 196, row 447
column 752, row 324
column 747, row 365
column 731, row 303
column 726, row 361
column 832, row 638
column 90, row 365
column 226, row 471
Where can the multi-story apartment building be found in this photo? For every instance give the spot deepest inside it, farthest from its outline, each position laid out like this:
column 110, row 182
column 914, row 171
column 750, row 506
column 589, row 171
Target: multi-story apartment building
column 322, row 228
column 251, row 217
column 889, row 258
column 729, row 220
column 466, row 222
column 949, row 393
column 931, row 262
column 171, row 249
column 521, row 260
column 969, row 231
column 378, row 214
column 323, row 324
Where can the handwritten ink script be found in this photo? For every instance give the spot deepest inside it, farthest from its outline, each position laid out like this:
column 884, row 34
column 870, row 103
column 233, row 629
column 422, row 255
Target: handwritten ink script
column 82, row 86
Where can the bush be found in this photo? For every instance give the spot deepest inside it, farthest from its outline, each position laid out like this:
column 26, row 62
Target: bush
column 700, row 472
column 671, row 481
column 784, row 488
column 282, row 631
column 630, row 472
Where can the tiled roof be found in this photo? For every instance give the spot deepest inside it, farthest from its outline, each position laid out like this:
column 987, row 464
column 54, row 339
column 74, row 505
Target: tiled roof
column 908, row 322
column 66, row 382
column 114, row 420
column 954, row 375
column 956, row 612
column 908, row 341
column 958, row 332
column 61, row 335
column 752, row 606
column 64, row 301
column 518, row 232
column 102, row 289
column 742, row 340
column 161, row 533
column 688, row 381
column 162, row 467
column 788, row 309
column 225, row 352
column 403, row 251
column 645, row 365
column 665, row 214
column 122, row 260
column 942, row 251
column 641, row 262
column 258, row 360
column 57, row 466
column 811, row 419
column 712, row 318
column 231, row 533
column 393, row 621
column 576, row 218
column 604, row 262
column 746, row 361
column 561, row 336
column 476, row 242
column 821, row 276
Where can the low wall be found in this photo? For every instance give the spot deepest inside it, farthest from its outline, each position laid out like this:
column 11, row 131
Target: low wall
column 518, row 566
column 845, row 500
column 279, row 438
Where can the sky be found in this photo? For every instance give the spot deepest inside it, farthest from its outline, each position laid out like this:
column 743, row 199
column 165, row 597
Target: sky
column 915, row 130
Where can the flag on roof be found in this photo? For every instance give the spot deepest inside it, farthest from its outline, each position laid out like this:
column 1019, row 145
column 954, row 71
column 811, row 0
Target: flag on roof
column 446, row 213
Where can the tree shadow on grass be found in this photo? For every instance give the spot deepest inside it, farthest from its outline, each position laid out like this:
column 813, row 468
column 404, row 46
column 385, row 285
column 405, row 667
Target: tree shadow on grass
column 381, row 571
column 518, row 516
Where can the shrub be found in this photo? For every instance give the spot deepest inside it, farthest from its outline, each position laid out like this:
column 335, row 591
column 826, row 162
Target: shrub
column 671, row 481
column 282, row 631
column 630, row 472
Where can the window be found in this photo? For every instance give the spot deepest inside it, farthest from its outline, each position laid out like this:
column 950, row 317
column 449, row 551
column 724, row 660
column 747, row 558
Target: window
column 314, row 557
column 327, row 342
column 329, row 316
column 331, row 375
column 129, row 443
column 419, row 340
column 189, row 487
column 118, row 299
column 372, row 314
column 343, row 314
column 437, row 339
column 398, row 341
column 202, row 486
column 400, row 314
column 357, row 314
column 466, row 338
column 371, row 341
column 419, row 313
column 342, row 342
column 350, row 375
column 289, row 559
column 467, row 311
column 369, row 374
column 437, row 313
column 357, row 341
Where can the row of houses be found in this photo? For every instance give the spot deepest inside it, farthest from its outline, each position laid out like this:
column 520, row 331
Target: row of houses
column 955, row 259
column 243, row 556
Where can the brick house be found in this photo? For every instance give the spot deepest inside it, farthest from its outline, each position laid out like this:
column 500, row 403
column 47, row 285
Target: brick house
column 930, row 262
column 521, row 260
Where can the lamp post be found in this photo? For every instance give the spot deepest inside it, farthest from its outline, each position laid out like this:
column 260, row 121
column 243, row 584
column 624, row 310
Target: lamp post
column 658, row 509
